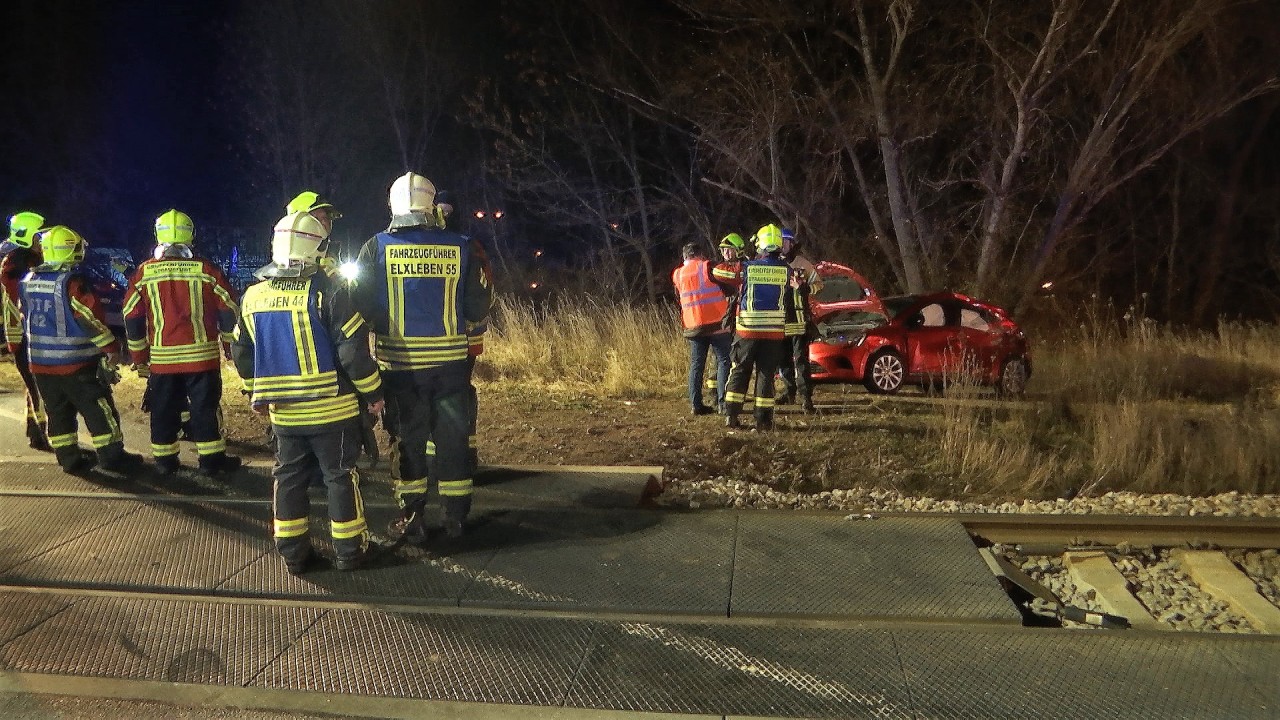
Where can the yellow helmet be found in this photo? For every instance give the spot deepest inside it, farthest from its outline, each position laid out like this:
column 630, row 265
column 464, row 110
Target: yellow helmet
column 412, row 193
column 299, row 239
column 174, row 228
column 769, row 238
column 306, row 201
column 24, row 227
column 62, row 246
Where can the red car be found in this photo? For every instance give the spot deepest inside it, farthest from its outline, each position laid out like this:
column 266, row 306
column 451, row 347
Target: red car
column 929, row 340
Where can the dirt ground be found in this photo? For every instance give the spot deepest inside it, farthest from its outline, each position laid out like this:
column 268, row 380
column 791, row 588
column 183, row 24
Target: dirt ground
column 856, row 440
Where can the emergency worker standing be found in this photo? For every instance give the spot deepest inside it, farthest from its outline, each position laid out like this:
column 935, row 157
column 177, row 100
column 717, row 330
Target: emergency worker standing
column 799, row 326
column 421, row 286
column 67, row 337
column 21, row 254
column 179, row 314
column 764, row 304
column 702, row 310
column 303, row 352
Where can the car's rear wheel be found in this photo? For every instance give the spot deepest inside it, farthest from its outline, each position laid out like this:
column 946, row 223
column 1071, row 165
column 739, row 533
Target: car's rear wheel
column 1013, row 378
column 885, row 373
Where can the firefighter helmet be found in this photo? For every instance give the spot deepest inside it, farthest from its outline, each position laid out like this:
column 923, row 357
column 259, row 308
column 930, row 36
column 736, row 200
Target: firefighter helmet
column 308, row 201
column 769, row 238
column 733, row 240
column 62, row 246
column 789, row 234
column 174, row 227
column 24, row 227
column 412, row 193
column 299, row 239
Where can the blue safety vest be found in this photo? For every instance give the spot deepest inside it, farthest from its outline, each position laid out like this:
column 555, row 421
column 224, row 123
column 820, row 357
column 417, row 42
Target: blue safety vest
column 54, row 335
column 417, row 290
column 761, row 313
column 293, row 355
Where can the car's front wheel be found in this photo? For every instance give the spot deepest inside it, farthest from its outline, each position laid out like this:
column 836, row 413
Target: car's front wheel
column 885, row 373
column 1013, row 378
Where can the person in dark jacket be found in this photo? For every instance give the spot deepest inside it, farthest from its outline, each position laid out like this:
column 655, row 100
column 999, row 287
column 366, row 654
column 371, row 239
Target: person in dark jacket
column 302, row 350
column 68, row 345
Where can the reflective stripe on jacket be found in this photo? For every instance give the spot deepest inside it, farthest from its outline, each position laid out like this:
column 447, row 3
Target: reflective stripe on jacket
column 764, row 299
column 702, row 302
column 60, row 329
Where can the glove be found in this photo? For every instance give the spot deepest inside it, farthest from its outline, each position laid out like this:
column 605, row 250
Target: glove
column 143, row 371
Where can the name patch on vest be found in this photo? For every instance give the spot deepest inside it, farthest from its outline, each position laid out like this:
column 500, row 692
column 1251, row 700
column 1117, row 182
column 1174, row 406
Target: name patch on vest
column 767, row 275
column 424, row 261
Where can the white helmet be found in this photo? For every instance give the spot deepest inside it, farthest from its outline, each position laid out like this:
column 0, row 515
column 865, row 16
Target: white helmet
column 299, row 239
column 412, row 193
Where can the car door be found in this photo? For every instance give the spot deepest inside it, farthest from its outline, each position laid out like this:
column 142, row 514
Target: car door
column 928, row 340
column 982, row 339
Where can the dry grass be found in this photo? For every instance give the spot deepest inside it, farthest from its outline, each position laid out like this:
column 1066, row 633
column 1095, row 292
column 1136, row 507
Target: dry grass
column 1114, row 404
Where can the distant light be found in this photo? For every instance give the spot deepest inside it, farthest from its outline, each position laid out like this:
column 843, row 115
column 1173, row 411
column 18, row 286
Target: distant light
column 613, row 226
column 1047, row 286
column 537, row 253
column 349, row 270
column 533, row 286
column 479, row 214
column 497, row 214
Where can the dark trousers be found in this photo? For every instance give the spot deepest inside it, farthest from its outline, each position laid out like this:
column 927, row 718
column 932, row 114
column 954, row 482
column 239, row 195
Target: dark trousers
column 699, row 347
column 200, row 393
column 331, row 455
column 762, row 356
column 794, row 367
column 81, row 393
column 430, row 406
column 36, row 417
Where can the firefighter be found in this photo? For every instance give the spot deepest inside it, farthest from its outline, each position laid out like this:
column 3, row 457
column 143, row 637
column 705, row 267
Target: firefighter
column 68, row 343
column 702, row 310
column 421, row 286
column 179, row 313
column 21, row 255
column 303, row 353
column 799, row 329
column 764, row 304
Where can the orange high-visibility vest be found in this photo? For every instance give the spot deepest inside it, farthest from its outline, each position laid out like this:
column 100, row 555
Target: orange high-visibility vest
column 702, row 303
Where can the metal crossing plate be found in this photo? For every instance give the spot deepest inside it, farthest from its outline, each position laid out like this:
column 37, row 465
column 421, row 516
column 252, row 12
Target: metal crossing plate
column 34, row 526
column 620, row 561
column 23, row 611
column 826, row 566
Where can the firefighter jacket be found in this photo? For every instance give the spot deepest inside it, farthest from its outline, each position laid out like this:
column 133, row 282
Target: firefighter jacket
column 65, row 326
column 702, row 302
column 15, row 266
column 476, row 330
column 764, row 300
column 422, row 287
column 178, row 312
column 797, row 319
column 302, row 349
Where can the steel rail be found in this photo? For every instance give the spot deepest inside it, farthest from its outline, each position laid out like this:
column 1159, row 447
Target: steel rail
column 1138, row 530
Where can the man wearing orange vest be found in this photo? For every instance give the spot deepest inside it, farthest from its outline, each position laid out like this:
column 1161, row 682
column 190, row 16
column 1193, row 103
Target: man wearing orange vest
column 702, row 307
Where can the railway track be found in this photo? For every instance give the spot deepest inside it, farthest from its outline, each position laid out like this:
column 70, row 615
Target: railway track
column 1158, row 573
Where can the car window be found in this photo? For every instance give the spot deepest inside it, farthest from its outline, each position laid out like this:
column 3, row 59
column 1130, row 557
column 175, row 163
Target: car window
column 974, row 319
column 839, row 288
column 933, row 316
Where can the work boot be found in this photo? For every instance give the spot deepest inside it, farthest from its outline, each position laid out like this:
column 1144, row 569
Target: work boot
column 76, row 461
column 348, row 561
column 702, row 410
column 218, row 463
column 115, row 459
column 764, row 420
column 731, row 421
column 409, row 526
column 300, row 563
column 167, row 464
